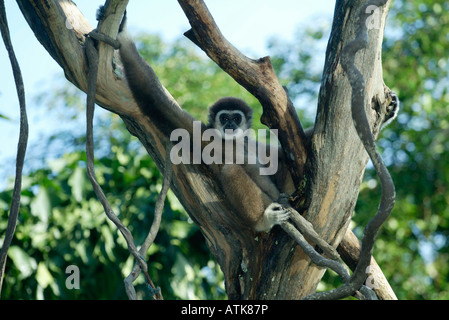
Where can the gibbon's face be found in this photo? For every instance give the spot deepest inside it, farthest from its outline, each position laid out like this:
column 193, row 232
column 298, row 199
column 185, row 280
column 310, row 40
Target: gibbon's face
column 231, row 123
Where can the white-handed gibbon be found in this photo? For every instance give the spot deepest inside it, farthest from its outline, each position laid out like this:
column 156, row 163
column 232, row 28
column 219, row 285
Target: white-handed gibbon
column 252, row 195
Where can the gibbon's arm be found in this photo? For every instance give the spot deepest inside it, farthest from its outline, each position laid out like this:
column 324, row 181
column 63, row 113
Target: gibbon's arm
column 151, row 96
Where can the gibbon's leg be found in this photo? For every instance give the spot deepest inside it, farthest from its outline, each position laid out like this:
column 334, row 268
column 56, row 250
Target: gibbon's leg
column 255, row 206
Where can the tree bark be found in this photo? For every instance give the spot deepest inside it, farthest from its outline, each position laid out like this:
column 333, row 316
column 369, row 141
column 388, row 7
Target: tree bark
column 337, row 159
column 255, row 265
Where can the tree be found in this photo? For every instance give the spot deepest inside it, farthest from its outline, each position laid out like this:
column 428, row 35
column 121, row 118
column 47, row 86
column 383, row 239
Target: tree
column 413, row 246
column 416, row 148
column 328, row 172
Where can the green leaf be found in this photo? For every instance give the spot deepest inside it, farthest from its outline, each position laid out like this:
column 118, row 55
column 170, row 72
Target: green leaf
column 43, row 276
column 40, row 206
column 2, row 116
column 77, row 181
column 22, row 261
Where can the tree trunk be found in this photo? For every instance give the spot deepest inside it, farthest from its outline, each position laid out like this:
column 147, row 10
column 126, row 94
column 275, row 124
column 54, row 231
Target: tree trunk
column 256, row 265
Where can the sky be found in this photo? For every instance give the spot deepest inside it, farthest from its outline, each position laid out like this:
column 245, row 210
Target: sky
column 247, row 24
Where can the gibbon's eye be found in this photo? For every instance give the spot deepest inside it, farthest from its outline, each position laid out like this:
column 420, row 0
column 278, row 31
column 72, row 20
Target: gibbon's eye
column 224, row 118
column 237, row 118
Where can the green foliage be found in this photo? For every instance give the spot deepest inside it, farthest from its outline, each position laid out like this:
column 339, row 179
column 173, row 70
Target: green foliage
column 63, row 224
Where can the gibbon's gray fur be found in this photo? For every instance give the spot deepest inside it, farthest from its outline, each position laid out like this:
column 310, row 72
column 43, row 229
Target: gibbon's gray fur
column 253, row 196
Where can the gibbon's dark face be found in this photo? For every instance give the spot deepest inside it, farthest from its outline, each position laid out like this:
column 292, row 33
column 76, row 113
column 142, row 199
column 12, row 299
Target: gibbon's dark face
column 231, row 116
column 230, row 119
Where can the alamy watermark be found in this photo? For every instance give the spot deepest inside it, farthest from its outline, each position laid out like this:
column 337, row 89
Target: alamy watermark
column 374, row 20
column 370, row 282
column 73, row 280
column 243, row 149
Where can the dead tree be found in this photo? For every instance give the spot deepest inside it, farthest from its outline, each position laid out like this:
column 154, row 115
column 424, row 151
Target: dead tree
column 327, row 170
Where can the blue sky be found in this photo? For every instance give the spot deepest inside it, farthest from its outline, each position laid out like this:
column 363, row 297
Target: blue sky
column 248, row 24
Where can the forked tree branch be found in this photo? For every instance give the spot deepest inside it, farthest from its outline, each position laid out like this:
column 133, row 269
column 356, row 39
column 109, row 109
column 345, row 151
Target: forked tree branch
column 349, row 249
column 258, row 77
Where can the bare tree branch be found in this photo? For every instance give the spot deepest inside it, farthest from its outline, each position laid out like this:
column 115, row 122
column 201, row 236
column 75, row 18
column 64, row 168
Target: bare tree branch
column 92, row 58
column 63, row 39
column 131, row 292
column 307, row 230
column 21, row 148
column 349, row 249
column 323, row 262
column 364, row 131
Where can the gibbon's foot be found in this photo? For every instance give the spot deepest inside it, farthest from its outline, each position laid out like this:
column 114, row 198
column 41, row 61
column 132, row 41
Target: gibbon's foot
column 104, row 38
column 392, row 109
